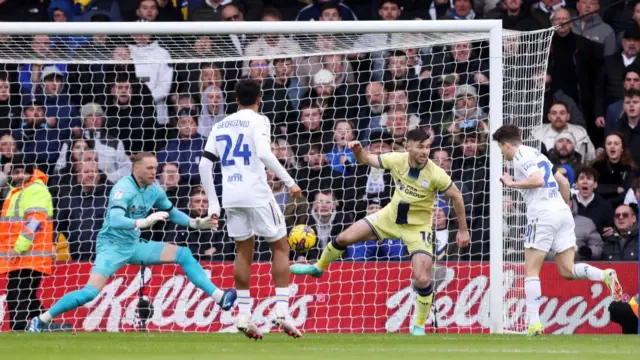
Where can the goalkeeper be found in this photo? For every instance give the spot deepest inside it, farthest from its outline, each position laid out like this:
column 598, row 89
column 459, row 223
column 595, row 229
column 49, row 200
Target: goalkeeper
column 406, row 217
column 118, row 242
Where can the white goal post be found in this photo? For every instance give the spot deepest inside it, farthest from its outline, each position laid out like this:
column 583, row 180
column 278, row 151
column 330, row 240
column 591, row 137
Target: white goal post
column 506, row 76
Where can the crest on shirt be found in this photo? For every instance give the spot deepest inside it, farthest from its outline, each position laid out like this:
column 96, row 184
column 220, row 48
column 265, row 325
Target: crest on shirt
column 400, row 185
column 118, row 194
column 424, row 184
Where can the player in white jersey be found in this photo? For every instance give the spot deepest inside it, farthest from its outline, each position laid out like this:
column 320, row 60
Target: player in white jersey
column 550, row 222
column 242, row 143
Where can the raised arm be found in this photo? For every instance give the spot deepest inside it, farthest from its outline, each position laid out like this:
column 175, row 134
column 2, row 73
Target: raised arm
column 363, row 156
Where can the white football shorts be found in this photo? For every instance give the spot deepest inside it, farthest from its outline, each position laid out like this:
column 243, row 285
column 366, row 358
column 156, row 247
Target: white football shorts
column 553, row 231
column 266, row 221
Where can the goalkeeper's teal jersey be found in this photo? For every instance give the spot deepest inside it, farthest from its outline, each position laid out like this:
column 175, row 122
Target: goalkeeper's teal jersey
column 136, row 202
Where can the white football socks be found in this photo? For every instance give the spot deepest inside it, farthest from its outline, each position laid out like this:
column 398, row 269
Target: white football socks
column 244, row 302
column 533, row 296
column 583, row 271
column 282, row 302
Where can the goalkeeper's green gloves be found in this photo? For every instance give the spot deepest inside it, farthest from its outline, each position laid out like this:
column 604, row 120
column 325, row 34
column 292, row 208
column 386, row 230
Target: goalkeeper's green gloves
column 204, row 223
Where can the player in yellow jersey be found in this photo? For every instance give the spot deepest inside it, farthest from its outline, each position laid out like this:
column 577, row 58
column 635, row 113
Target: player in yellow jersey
column 407, row 216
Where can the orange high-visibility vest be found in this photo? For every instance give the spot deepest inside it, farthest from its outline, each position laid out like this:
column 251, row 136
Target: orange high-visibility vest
column 28, row 204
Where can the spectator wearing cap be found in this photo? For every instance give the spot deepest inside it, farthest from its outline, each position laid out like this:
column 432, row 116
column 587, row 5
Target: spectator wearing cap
column 113, row 160
column 591, row 204
column 295, row 211
column 588, row 239
column 37, row 138
column 616, row 168
column 323, row 93
column 313, row 11
column 81, row 209
column 627, row 125
column 30, row 75
column 515, row 15
column 591, row 26
column 59, row 110
column 374, row 250
column 622, row 245
column 564, row 152
column 559, row 118
column 574, row 61
column 213, row 109
column 157, row 76
column 466, row 113
column 280, row 94
column 610, row 85
column 616, row 110
column 186, row 149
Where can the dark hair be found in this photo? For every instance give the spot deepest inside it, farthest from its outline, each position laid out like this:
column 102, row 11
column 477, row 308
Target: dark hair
column 141, row 1
column 327, row 192
column 4, row 76
column 340, row 121
column 507, row 134
column 164, row 166
column 440, row 149
column 398, row 53
column 631, row 93
column 281, row 59
column 122, row 77
column 625, row 157
column 418, row 135
column 272, row 12
column 197, row 190
column 330, row 5
column 559, row 102
column 307, row 104
column 590, row 172
column 136, row 158
column 22, row 161
column 396, row 2
column 247, row 92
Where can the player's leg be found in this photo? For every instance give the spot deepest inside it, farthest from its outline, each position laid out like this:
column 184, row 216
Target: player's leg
column 108, row 261
column 533, row 260
column 154, row 252
column 419, row 245
column 564, row 247
column 239, row 228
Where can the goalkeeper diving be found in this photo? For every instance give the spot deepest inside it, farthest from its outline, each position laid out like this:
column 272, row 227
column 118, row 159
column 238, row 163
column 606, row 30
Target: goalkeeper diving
column 550, row 222
column 408, row 216
column 118, row 242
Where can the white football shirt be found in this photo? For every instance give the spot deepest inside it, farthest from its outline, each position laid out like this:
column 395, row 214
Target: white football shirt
column 237, row 141
column 545, row 199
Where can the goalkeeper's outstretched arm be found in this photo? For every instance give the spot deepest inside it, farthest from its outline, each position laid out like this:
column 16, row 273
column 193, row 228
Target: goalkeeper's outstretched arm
column 363, row 156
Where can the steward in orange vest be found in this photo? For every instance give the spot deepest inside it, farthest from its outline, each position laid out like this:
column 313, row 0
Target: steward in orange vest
column 26, row 240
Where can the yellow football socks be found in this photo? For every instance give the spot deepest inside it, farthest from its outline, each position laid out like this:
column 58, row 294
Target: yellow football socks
column 330, row 253
column 424, row 299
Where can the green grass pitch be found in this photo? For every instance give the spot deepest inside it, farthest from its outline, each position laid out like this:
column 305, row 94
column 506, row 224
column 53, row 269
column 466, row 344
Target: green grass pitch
column 112, row 346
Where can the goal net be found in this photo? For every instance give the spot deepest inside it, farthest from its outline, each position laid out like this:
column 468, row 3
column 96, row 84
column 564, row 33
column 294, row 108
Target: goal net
column 76, row 101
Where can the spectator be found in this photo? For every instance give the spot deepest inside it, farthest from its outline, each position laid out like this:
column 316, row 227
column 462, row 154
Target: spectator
column 295, row 211
column 591, row 26
column 545, row 11
column 590, row 204
column 205, row 245
column 552, row 94
column 37, row 138
column 30, row 74
column 461, row 10
column 610, row 84
column 616, row 110
column 258, row 70
column 341, row 158
column 628, row 123
column 336, row 63
column 75, row 151
column 442, row 158
column 88, row 82
column 314, row 174
column 169, row 180
column 272, row 45
column 82, row 208
column 397, row 100
column 99, row 10
column 280, row 94
column 213, row 110
column 330, row 11
column 186, row 149
column 515, row 15
column 378, row 183
column 559, row 118
column 374, row 250
column 633, row 193
column 564, row 152
column 20, row 10
column 622, row 244
column 9, row 104
column 131, row 116
column 236, row 45
column 157, row 76
column 369, row 114
column 309, row 130
column 157, row 10
column 439, row 104
column 326, row 221
column 445, row 248
column 616, row 169
column 588, row 240
column 574, row 61
column 466, row 112
column 61, row 11
column 397, row 125
column 283, row 152
column 314, row 10
column 323, row 93
column 205, row 10
column 59, row 110
column 113, row 161
column 7, row 150
column 462, row 60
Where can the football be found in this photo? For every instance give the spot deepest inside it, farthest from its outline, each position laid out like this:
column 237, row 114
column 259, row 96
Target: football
column 302, row 238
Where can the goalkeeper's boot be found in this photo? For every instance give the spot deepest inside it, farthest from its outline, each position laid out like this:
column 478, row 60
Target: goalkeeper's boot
column 36, row 325
column 418, row 330
column 228, row 299
column 287, row 327
column 535, row 329
column 611, row 280
column 306, row 269
column 248, row 328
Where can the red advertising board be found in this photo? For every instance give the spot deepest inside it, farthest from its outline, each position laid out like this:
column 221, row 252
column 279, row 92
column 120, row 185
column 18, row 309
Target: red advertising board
column 352, row 297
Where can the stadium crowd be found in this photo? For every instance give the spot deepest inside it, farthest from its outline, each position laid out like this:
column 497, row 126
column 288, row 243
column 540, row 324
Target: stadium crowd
column 78, row 122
